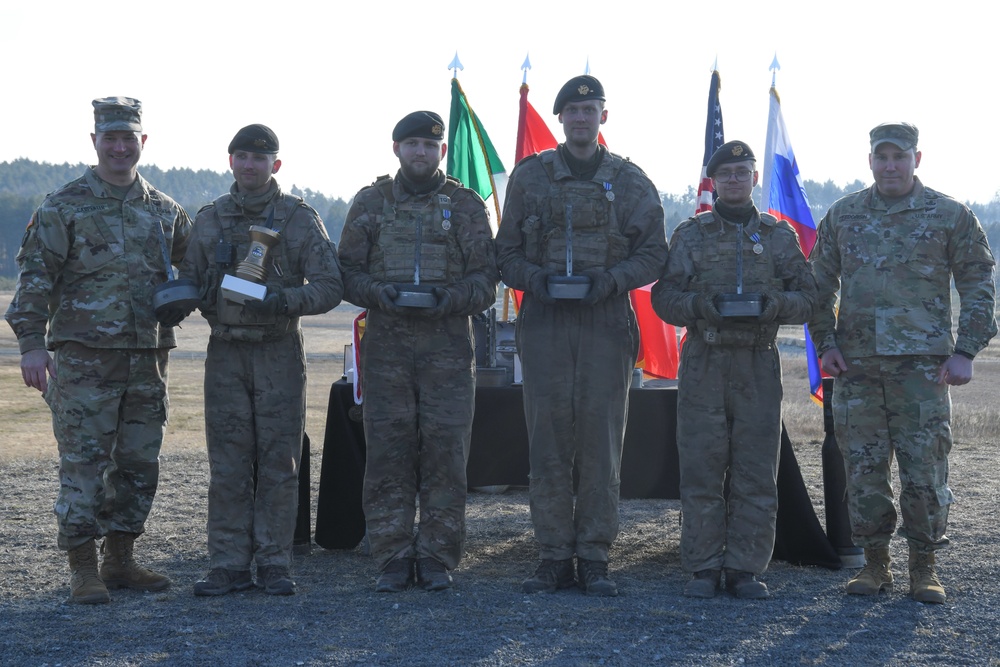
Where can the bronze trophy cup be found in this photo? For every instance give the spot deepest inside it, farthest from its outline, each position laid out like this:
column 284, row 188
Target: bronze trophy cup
column 248, row 283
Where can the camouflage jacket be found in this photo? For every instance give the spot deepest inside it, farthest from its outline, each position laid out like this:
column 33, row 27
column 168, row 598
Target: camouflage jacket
column 88, row 265
column 894, row 267
column 528, row 211
column 702, row 259
column 303, row 263
column 466, row 234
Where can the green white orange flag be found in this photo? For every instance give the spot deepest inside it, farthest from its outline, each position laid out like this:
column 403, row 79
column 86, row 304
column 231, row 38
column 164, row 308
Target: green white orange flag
column 471, row 156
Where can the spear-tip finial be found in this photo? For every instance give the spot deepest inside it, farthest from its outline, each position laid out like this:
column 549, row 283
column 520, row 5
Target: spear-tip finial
column 586, row 69
column 775, row 66
column 455, row 65
column 715, row 64
column 525, row 66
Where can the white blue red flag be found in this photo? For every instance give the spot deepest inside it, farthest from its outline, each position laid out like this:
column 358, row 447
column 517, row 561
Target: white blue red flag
column 784, row 197
column 714, row 138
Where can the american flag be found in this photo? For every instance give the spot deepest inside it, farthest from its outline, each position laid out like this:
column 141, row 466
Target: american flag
column 714, row 138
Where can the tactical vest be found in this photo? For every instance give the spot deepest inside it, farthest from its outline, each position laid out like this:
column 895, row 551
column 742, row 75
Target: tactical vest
column 716, row 266
column 239, row 323
column 597, row 241
column 417, row 230
column 718, row 254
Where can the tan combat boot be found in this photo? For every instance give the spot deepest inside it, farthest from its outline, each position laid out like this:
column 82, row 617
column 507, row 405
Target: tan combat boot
column 876, row 575
column 924, row 583
column 85, row 585
column 119, row 569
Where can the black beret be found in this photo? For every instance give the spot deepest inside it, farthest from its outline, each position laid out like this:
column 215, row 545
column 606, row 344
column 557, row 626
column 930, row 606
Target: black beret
column 421, row 124
column 577, row 89
column 255, row 138
column 904, row 135
column 732, row 151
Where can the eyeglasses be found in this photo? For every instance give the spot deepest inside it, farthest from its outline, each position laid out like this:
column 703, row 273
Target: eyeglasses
column 742, row 175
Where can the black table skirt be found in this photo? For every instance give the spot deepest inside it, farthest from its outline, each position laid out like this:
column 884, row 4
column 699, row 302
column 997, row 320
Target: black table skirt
column 499, row 456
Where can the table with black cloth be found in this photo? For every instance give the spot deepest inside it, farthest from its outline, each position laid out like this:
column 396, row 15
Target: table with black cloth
column 499, row 456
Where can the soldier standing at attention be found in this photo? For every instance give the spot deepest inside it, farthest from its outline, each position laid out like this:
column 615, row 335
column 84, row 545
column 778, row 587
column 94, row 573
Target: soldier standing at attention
column 89, row 262
column 729, row 391
column 577, row 354
column 422, row 236
column 255, row 371
column 892, row 251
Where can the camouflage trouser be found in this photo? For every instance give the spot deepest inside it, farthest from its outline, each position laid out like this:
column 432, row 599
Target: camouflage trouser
column 255, row 405
column 577, row 364
column 728, row 423
column 419, row 399
column 108, row 413
column 886, row 407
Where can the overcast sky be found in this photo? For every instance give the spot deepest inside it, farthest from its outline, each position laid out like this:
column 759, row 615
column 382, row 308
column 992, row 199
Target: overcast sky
column 333, row 78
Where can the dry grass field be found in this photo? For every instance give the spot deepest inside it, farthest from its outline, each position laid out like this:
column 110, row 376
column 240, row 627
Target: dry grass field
column 26, row 417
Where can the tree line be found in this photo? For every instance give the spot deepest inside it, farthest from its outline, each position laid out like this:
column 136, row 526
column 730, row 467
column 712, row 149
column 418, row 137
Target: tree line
column 24, row 183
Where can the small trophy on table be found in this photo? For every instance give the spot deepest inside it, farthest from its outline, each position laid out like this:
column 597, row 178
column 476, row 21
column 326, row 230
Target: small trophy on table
column 569, row 286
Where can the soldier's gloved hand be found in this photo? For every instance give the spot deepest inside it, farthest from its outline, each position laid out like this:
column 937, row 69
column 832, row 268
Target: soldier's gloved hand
column 705, row 309
column 773, row 301
column 538, row 285
column 602, row 285
column 268, row 307
column 387, row 299
column 443, row 307
column 172, row 316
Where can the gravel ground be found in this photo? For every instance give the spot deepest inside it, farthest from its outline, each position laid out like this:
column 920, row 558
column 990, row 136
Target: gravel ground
column 337, row 619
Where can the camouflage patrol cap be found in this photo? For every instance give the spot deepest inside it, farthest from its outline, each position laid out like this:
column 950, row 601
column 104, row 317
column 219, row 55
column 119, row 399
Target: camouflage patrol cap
column 419, row 124
column 578, row 89
column 117, row 113
column 732, row 151
column 255, row 138
column 903, row 135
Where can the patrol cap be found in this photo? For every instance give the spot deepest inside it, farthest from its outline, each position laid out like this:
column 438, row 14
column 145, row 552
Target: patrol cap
column 731, row 151
column 577, row 89
column 903, row 135
column 419, row 124
column 255, row 138
column 117, row 113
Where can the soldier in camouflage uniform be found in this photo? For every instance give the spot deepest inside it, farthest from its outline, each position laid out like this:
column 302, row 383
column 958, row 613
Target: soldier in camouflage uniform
column 892, row 251
column 577, row 355
column 90, row 259
column 418, row 363
column 729, row 394
column 255, row 372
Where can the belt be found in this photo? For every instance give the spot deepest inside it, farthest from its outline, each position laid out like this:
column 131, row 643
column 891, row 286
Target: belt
column 248, row 334
column 736, row 336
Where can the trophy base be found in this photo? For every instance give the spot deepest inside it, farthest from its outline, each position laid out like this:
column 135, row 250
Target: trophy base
column 492, row 377
column 740, row 305
column 415, row 296
column 239, row 290
column 568, row 287
column 181, row 293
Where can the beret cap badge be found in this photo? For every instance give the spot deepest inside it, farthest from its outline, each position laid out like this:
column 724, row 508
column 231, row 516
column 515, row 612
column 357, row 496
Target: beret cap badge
column 437, row 130
column 583, row 89
column 737, row 151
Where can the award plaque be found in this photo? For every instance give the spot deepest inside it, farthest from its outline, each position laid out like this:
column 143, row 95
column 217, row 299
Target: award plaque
column 740, row 304
column 568, row 286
